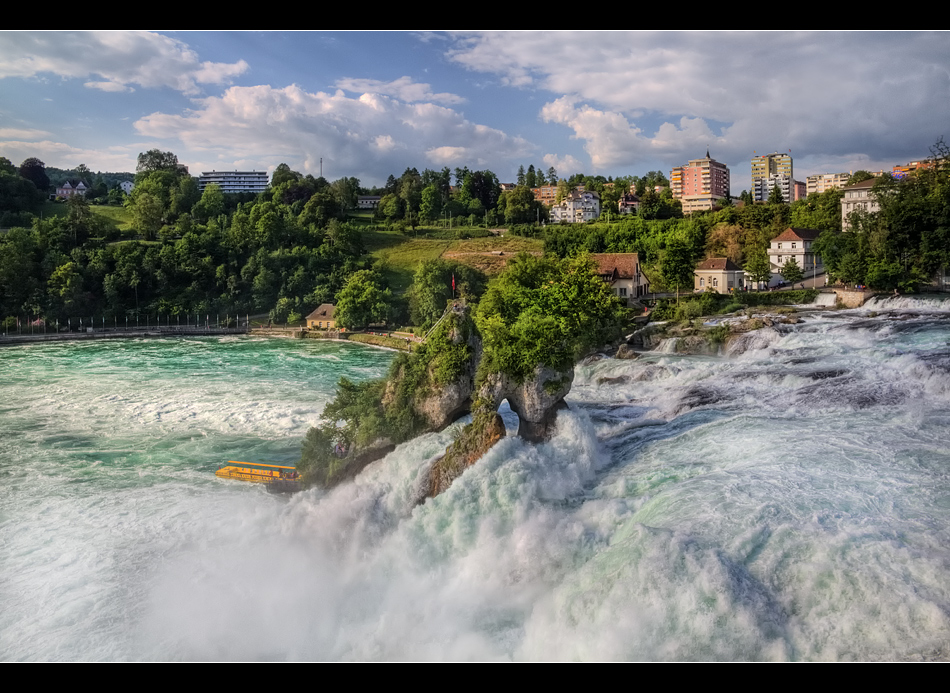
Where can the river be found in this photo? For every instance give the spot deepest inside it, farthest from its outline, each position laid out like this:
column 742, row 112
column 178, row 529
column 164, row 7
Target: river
column 790, row 502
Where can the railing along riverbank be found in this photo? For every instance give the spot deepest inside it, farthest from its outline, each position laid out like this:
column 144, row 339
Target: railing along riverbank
column 121, row 332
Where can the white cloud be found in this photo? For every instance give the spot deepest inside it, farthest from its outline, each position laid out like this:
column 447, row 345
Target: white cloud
column 403, row 89
column 119, row 59
column 63, row 155
column 108, row 86
column 23, row 133
column 369, row 137
column 566, row 166
column 630, row 95
column 451, row 156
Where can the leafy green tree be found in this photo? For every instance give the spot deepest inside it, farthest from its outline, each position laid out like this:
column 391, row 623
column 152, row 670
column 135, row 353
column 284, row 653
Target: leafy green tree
column 678, row 266
column 148, row 213
column 851, row 268
column 859, row 177
column 651, row 205
column 157, row 160
column 886, row 275
column 791, row 272
column 390, row 207
column 345, row 191
column 775, row 196
column 432, row 289
column 65, row 290
column 820, row 211
column 210, row 205
column 531, row 178
column 18, row 194
column 545, row 311
column 362, row 301
column 431, row 206
column 35, row 170
column 283, row 174
column 758, row 267
column 520, row 207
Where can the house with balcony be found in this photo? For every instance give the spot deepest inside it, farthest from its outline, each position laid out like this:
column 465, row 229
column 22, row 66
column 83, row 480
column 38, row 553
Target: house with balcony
column 578, row 207
column 795, row 243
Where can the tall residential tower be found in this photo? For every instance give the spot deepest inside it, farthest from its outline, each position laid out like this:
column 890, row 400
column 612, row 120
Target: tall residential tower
column 770, row 170
column 700, row 183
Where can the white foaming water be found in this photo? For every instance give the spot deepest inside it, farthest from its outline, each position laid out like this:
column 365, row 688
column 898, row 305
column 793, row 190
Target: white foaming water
column 791, row 502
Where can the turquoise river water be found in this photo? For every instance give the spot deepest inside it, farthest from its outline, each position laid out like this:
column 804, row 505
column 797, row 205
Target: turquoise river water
column 787, row 501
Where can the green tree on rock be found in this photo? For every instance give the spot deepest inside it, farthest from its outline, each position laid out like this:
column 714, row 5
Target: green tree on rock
column 545, row 311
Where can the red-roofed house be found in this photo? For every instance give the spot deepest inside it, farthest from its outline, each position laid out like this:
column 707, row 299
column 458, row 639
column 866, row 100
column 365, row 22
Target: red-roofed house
column 795, row 243
column 720, row 274
column 622, row 272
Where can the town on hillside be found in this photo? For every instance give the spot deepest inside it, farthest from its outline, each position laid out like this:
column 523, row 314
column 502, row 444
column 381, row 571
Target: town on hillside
column 161, row 245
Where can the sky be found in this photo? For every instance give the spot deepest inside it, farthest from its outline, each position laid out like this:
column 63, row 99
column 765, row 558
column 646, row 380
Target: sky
column 371, row 104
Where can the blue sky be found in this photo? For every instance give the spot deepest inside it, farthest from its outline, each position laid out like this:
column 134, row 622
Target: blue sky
column 372, row 104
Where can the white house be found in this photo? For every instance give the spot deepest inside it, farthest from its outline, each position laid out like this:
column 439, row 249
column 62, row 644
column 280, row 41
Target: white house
column 578, row 207
column 858, row 197
column 795, row 243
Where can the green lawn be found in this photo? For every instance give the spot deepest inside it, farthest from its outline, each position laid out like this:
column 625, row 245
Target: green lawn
column 403, row 253
column 120, row 217
column 52, row 209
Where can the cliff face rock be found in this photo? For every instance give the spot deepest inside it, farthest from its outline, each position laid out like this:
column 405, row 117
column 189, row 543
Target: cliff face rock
column 536, row 401
column 442, row 404
column 475, row 441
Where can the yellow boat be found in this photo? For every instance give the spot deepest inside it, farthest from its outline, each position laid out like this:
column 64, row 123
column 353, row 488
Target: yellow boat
column 279, row 478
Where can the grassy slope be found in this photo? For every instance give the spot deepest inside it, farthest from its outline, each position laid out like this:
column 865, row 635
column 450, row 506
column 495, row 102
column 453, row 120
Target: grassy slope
column 117, row 216
column 402, row 254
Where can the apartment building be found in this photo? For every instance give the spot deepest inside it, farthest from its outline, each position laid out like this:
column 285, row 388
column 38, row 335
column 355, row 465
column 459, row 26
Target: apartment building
column 235, row 181
column 700, row 183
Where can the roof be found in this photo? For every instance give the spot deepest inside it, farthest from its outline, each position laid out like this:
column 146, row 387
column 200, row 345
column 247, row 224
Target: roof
column 616, row 265
column 719, row 263
column 795, row 234
column 869, row 183
column 324, row 312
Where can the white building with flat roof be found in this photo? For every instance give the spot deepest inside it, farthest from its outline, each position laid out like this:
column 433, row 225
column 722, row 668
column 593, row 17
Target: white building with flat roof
column 235, row 181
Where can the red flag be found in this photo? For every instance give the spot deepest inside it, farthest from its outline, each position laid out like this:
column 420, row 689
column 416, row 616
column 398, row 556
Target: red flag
column 453, row 281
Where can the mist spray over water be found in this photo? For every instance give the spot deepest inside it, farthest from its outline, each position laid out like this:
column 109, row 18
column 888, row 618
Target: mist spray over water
column 790, row 501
